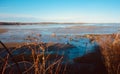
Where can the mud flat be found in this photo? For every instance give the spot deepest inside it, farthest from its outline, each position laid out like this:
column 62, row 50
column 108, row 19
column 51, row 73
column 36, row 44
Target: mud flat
column 3, row 30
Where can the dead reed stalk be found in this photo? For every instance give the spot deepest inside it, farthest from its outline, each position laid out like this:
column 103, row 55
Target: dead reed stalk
column 110, row 49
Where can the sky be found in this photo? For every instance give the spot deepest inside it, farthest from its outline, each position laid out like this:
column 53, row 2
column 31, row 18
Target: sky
column 83, row 11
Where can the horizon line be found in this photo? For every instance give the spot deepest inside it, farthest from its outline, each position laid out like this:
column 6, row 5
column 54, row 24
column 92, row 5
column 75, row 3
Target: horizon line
column 50, row 22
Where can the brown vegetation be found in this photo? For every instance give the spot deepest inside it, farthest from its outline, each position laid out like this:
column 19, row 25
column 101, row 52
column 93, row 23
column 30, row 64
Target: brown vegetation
column 110, row 49
column 31, row 59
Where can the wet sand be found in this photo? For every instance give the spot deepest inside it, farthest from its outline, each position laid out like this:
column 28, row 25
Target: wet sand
column 88, row 27
column 12, row 44
column 3, row 30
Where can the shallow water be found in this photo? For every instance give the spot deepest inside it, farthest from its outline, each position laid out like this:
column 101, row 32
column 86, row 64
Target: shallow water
column 17, row 33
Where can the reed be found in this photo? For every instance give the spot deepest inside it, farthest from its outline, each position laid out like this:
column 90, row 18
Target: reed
column 37, row 60
column 110, row 49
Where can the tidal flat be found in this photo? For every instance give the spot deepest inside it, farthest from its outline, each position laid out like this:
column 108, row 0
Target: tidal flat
column 66, row 48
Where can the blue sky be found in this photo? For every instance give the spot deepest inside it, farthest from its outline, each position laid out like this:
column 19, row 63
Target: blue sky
column 90, row 11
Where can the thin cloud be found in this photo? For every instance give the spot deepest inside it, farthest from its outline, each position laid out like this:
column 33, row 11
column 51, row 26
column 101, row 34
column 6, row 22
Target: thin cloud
column 15, row 16
column 73, row 18
column 18, row 18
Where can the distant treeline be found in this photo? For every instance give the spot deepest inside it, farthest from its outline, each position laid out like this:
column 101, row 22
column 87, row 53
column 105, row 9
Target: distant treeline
column 20, row 23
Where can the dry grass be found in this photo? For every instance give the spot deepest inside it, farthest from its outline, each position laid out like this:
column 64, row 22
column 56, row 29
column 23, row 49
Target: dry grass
column 37, row 62
column 110, row 49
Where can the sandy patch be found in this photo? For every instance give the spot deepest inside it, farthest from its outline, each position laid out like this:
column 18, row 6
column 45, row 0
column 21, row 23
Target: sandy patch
column 88, row 27
column 12, row 44
column 3, row 30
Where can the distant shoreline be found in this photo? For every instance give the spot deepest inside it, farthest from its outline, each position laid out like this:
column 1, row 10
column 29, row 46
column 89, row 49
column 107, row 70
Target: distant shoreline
column 30, row 23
